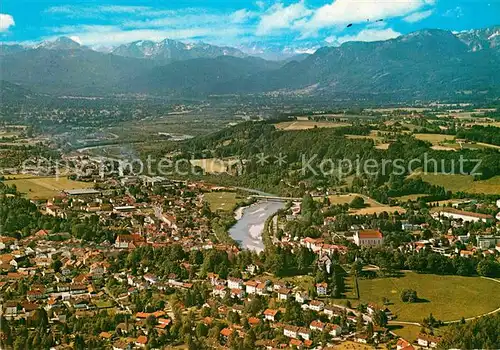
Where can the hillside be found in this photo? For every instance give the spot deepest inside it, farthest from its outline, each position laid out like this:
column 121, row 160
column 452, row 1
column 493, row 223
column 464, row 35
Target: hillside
column 428, row 64
column 199, row 76
column 70, row 71
column 423, row 64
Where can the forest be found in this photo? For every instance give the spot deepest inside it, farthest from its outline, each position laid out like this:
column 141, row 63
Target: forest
column 486, row 134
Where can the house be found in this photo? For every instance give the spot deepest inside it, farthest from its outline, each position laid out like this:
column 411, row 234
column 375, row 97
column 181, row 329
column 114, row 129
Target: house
column 141, row 341
column 291, row 331
column 304, row 333
column 10, row 309
column 219, row 291
column 368, row 238
column 128, row 241
column 334, row 330
column 98, row 268
column 234, row 283
column 142, row 316
column 251, row 287
column 322, row 288
column 486, row 242
column 466, row 254
column 301, row 297
column 213, row 278
column 237, row 293
column 261, row 289
column 55, row 211
column 313, row 244
column 279, row 285
column 121, row 345
column 124, row 329
column 105, row 335
column 428, row 341
column 253, row 321
column 317, row 326
column 371, row 308
column 332, row 311
column 316, row 305
column 361, row 338
column 270, row 314
column 252, row 269
column 402, row 344
column 238, row 309
column 150, row 278
column 226, row 333
column 163, row 323
column 283, row 294
column 8, row 261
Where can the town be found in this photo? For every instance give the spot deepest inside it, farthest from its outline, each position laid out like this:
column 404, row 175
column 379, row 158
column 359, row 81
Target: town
column 142, row 261
column 240, row 175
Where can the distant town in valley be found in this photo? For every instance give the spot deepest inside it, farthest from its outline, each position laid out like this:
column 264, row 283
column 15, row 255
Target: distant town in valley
column 322, row 175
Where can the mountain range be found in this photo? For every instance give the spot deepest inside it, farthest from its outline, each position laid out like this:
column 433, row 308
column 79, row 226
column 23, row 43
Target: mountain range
column 427, row 64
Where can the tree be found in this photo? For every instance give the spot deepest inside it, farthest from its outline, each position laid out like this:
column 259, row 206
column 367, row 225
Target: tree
column 201, row 330
column 380, row 318
column 250, row 339
column 488, row 268
column 409, row 296
column 56, row 265
column 369, row 330
column 357, row 203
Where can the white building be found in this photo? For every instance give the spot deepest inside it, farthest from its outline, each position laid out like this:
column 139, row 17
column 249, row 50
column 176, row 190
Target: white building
column 234, row 283
column 368, row 238
column 335, row 330
column 455, row 214
column 291, row 331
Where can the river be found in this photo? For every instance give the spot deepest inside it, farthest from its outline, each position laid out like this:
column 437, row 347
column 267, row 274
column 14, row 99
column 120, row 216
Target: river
column 251, row 221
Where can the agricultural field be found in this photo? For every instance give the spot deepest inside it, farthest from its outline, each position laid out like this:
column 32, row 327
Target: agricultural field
column 347, row 198
column 214, row 165
column 410, row 332
column 372, row 206
column 463, row 183
column 383, row 146
column 449, row 298
column 445, row 148
column 309, row 124
column 410, row 197
column 372, row 136
column 468, row 145
column 350, row 345
column 435, row 139
column 222, row 200
column 43, row 187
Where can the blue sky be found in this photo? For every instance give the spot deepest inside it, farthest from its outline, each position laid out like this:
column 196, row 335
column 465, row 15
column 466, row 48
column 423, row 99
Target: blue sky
column 298, row 24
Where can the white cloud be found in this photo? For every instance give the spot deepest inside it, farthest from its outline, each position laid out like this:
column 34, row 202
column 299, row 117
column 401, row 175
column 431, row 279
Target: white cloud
column 280, row 16
column 456, row 12
column 260, row 4
column 418, row 16
column 354, row 11
column 242, row 16
column 80, row 10
column 365, row 35
column 112, row 35
column 179, row 20
column 6, row 21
